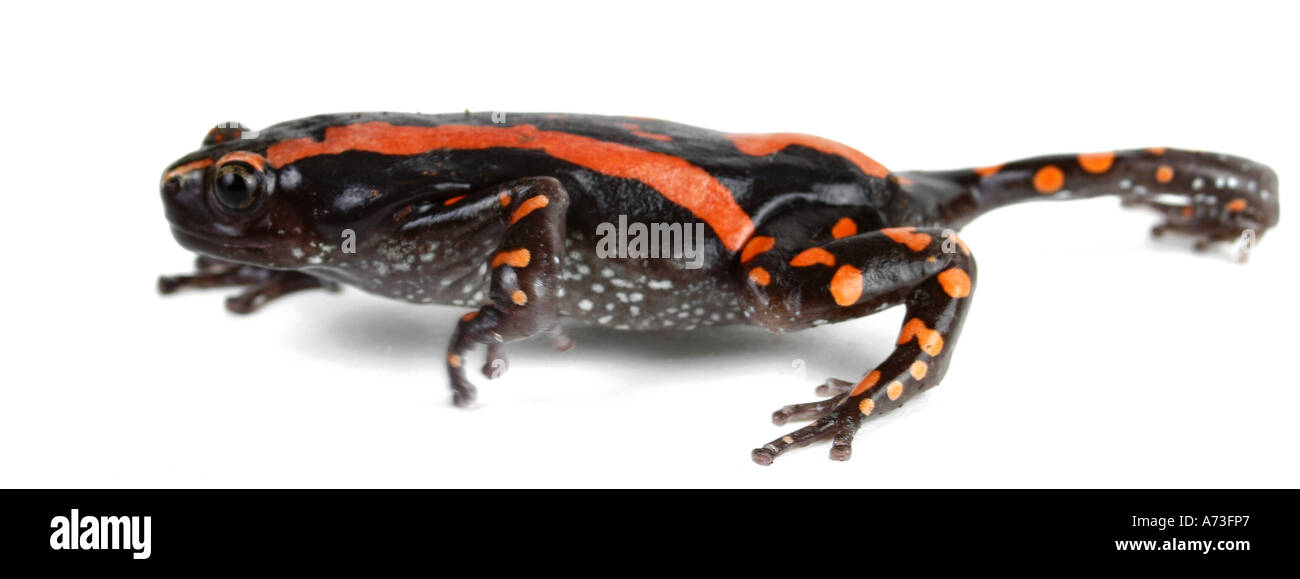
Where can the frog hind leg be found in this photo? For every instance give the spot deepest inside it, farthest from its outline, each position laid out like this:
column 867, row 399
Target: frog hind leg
column 788, row 285
column 261, row 285
column 526, row 278
column 1210, row 197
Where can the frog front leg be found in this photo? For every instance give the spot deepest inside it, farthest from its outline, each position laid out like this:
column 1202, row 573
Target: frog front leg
column 526, row 279
column 789, row 285
column 262, row 285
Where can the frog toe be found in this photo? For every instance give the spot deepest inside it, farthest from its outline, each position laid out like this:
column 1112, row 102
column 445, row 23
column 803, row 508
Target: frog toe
column 840, row 423
column 495, row 365
column 834, row 386
column 806, row 410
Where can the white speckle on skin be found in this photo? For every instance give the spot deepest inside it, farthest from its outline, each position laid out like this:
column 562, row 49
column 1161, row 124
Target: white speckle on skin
column 314, row 260
column 636, row 296
column 607, row 272
column 297, row 252
column 600, row 289
column 605, row 319
column 1198, row 183
column 585, row 305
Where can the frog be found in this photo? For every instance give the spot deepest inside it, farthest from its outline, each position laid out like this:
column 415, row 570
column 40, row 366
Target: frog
column 534, row 222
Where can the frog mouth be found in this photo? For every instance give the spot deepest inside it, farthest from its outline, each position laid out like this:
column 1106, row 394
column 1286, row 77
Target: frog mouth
column 203, row 243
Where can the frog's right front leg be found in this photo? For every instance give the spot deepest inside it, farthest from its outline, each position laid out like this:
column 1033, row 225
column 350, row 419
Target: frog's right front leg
column 526, row 278
column 262, row 285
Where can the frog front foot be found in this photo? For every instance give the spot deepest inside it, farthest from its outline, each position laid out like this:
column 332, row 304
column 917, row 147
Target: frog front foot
column 261, row 285
column 1212, row 205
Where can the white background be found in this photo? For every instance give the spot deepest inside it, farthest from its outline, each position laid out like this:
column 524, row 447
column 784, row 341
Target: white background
column 1093, row 356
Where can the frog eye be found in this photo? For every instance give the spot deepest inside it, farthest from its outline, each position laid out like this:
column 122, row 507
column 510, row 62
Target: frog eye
column 237, row 186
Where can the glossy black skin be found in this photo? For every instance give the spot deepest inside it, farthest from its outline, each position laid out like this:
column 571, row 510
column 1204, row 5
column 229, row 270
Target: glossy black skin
column 415, row 240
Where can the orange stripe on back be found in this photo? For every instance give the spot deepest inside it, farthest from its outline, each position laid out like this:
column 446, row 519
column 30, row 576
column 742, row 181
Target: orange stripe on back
column 763, row 145
column 676, row 179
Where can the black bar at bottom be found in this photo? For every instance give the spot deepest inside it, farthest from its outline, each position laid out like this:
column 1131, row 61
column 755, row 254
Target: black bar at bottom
column 323, row 528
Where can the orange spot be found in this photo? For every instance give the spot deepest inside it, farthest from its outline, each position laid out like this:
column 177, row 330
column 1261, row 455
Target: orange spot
column 760, row 276
column 674, row 178
column 757, row 245
column 253, row 159
column 469, row 316
column 1097, row 162
column 453, row 360
column 403, row 213
column 1164, row 174
column 505, row 199
column 519, row 297
column 186, row 168
column 845, row 227
column 867, row 405
column 812, row 256
column 1049, row 179
column 1157, row 151
column 1188, row 211
column 918, row 369
column 1236, row 205
column 529, row 205
column 454, row 200
column 931, row 341
column 989, row 170
column 868, row 381
column 895, row 389
column 955, row 282
column 514, row 258
column 846, row 285
column 763, row 145
column 908, row 236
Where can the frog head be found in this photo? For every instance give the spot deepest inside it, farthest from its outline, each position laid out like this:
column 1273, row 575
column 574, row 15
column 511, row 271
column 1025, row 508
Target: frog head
column 226, row 201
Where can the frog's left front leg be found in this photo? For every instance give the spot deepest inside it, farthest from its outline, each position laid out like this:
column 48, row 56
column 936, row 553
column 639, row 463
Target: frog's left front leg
column 526, row 281
column 262, row 285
